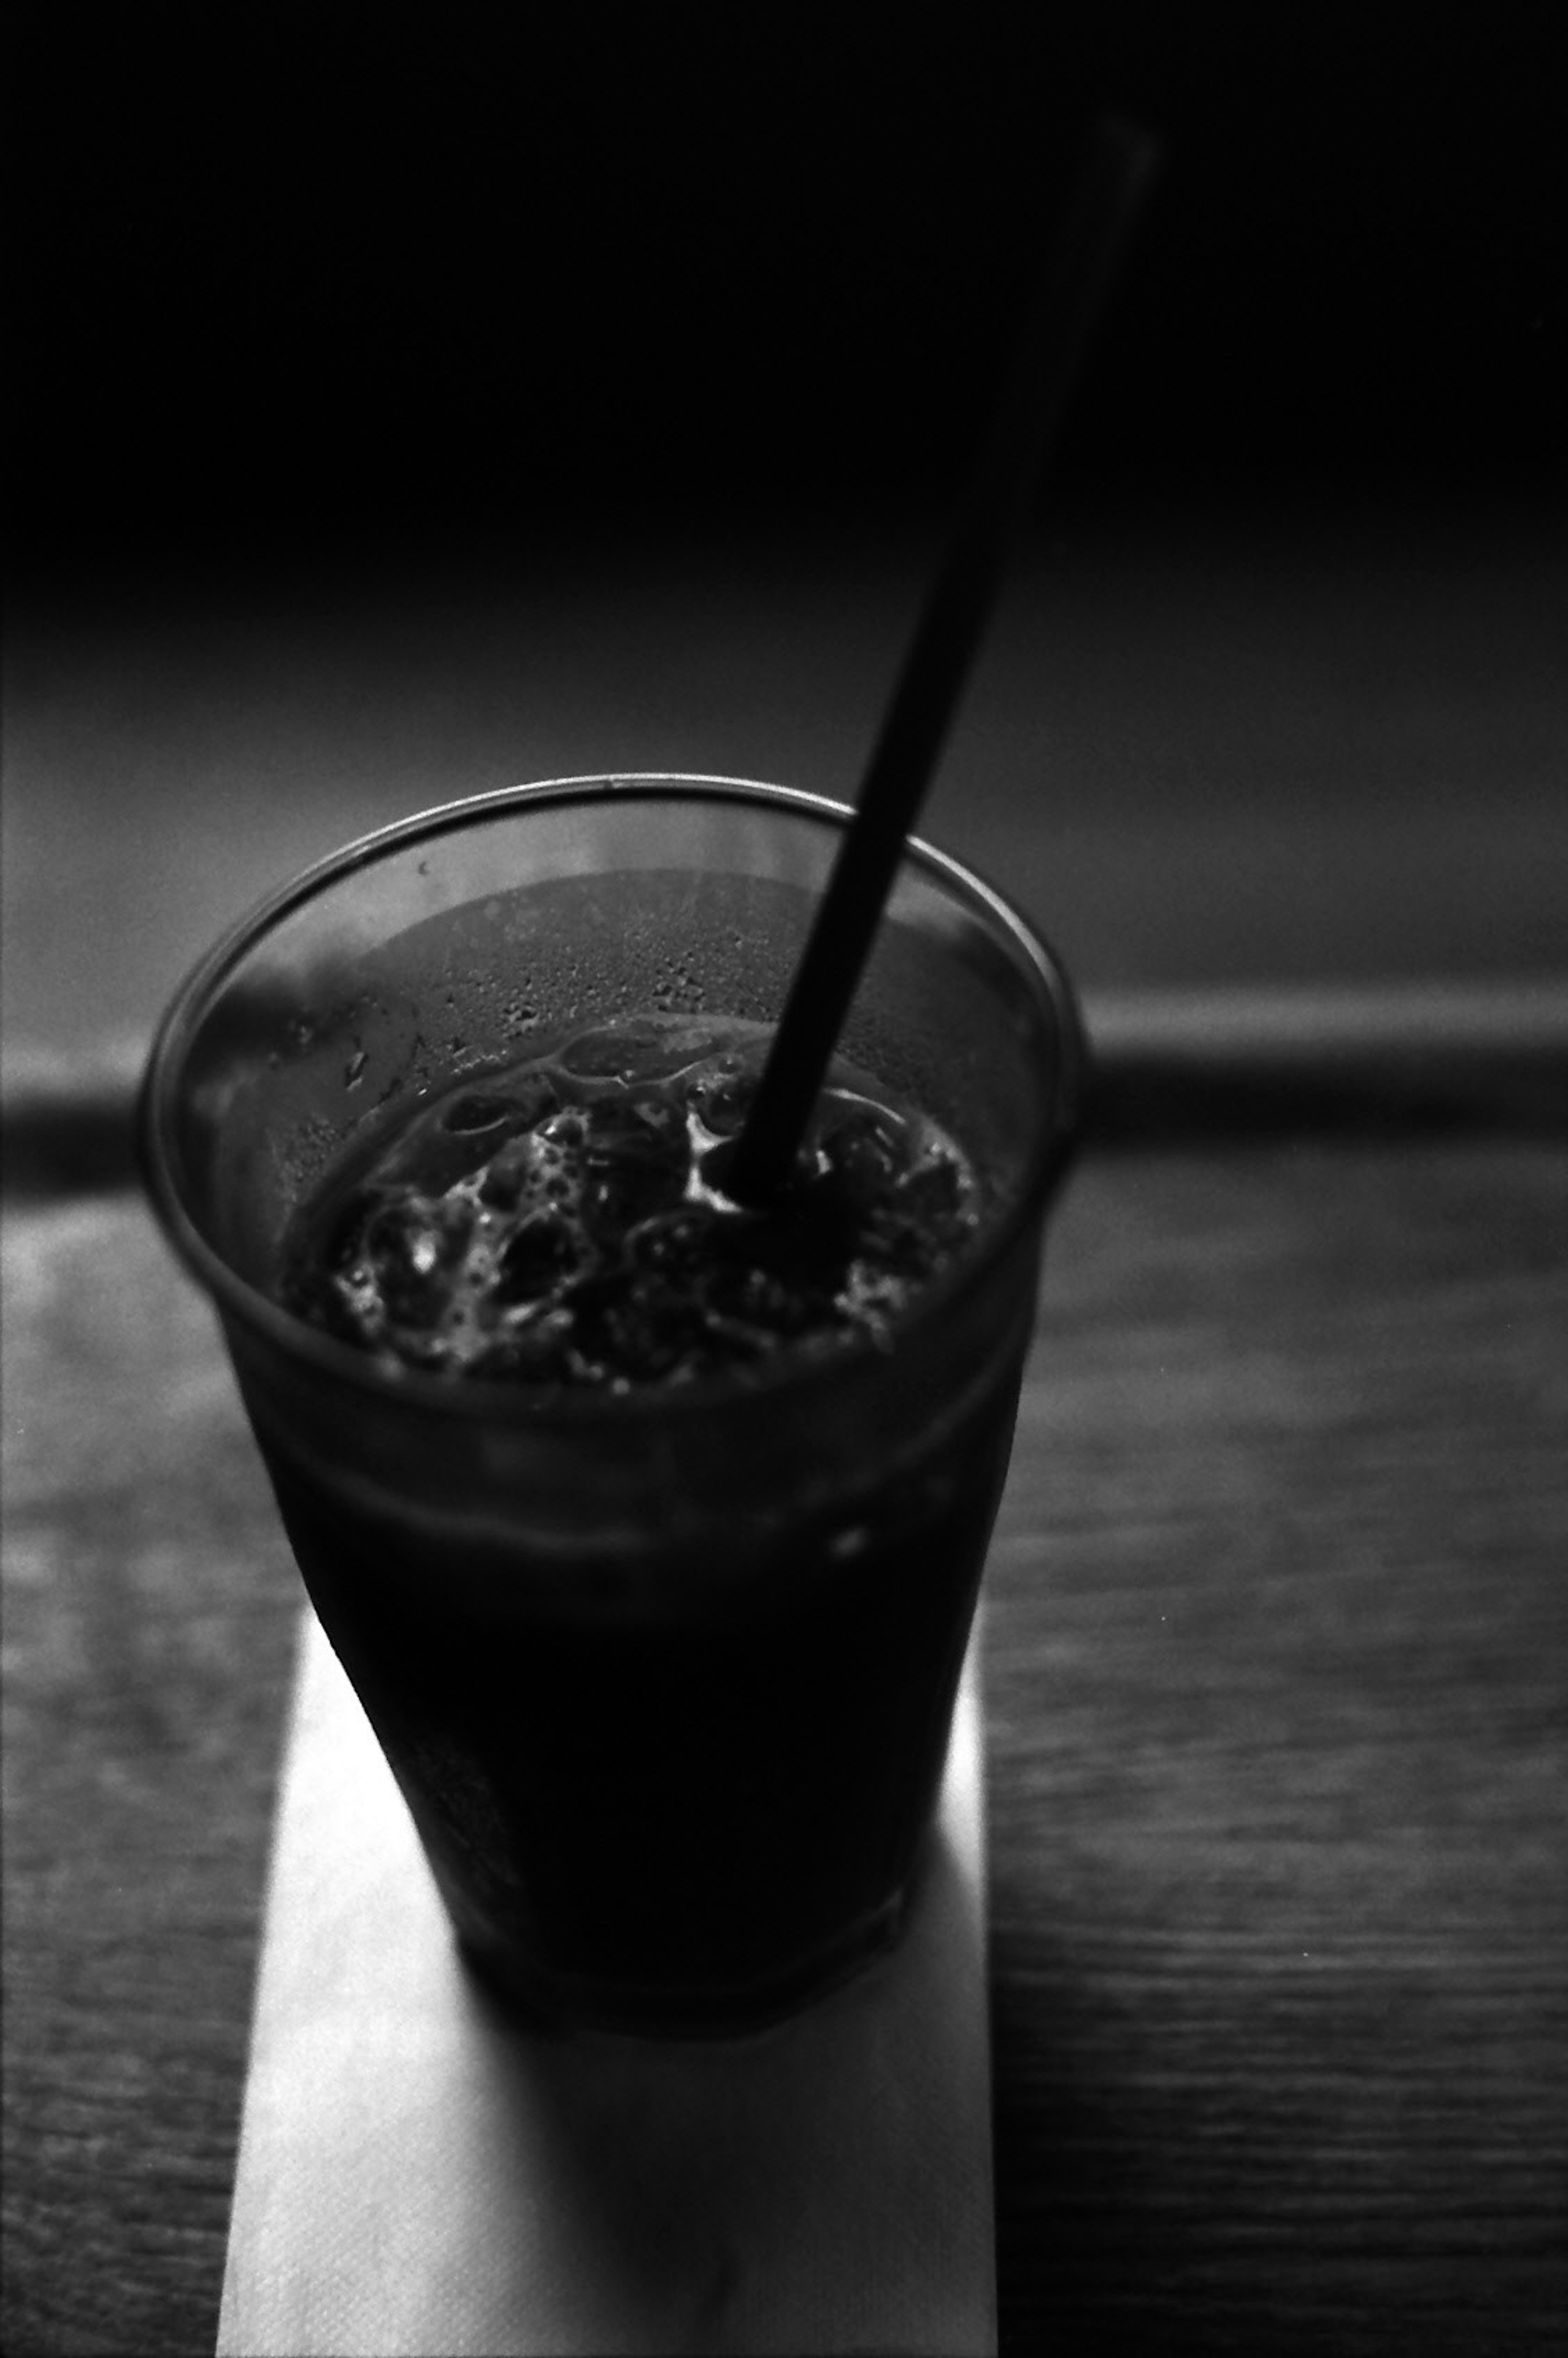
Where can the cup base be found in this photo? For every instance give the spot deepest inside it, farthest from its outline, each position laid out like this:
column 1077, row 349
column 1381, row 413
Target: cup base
column 559, row 2004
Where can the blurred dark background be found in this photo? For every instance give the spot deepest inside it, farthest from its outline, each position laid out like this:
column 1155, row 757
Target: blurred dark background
column 345, row 270
column 407, row 402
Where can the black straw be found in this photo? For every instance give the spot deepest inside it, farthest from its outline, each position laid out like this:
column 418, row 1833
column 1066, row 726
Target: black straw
column 1118, row 164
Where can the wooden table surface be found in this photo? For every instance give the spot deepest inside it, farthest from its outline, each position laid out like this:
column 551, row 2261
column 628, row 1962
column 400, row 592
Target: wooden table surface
column 1277, row 1673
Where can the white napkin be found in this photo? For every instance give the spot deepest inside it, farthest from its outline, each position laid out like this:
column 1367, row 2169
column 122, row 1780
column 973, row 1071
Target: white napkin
column 419, row 2175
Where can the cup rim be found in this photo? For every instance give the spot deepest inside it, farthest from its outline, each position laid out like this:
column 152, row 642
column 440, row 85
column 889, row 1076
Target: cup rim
column 531, row 1406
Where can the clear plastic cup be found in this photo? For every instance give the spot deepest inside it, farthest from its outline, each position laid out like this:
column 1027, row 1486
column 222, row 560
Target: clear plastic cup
column 665, row 1675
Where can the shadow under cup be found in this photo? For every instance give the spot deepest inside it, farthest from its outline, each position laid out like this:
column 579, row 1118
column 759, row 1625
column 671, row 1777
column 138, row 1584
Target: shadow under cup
column 665, row 1676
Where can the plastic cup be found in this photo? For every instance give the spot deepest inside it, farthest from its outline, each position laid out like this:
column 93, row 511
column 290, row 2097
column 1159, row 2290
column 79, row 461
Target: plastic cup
column 665, row 1675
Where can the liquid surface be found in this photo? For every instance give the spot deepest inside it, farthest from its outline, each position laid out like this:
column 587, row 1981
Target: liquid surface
column 562, row 1220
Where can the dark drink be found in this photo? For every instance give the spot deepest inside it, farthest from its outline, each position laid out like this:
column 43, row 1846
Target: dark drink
column 631, row 1772
column 647, row 1527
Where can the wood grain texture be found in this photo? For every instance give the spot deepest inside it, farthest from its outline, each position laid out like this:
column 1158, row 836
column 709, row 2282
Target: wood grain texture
column 149, row 1611
column 1277, row 1674
column 1277, row 1696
